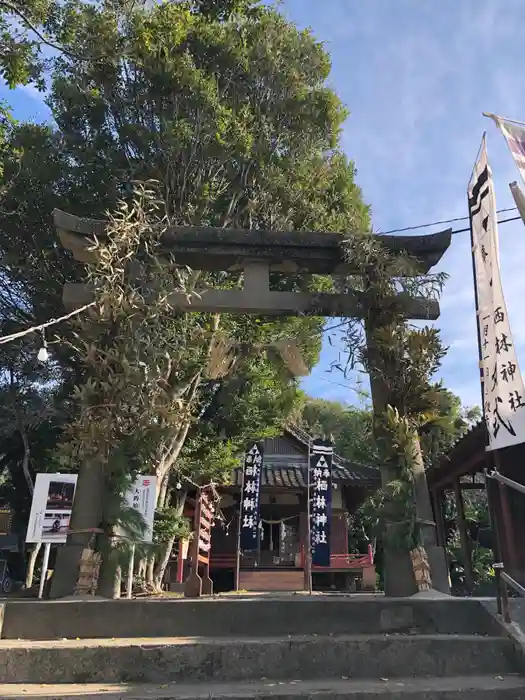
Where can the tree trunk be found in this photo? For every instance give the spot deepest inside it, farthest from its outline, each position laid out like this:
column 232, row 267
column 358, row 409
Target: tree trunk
column 141, row 568
column 166, row 464
column 162, row 560
column 31, row 562
column 162, row 492
column 164, row 557
column 150, row 568
column 110, row 576
column 85, row 516
column 25, row 441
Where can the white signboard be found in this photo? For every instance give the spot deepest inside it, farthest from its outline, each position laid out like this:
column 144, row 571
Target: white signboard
column 141, row 497
column 51, row 508
column 53, row 501
column 503, row 390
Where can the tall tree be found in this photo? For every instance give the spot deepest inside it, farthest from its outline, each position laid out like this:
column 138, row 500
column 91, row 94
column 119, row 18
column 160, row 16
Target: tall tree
column 351, row 428
column 232, row 117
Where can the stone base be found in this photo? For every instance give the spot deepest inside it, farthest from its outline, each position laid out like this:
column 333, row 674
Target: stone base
column 235, row 617
column 437, row 559
column 369, row 578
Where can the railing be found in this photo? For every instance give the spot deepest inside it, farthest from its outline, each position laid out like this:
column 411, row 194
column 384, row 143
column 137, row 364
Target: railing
column 504, row 581
column 337, row 561
column 345, row 561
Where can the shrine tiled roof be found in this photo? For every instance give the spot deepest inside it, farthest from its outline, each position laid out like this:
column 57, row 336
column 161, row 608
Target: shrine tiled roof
column 285, row 463
column 292, row 476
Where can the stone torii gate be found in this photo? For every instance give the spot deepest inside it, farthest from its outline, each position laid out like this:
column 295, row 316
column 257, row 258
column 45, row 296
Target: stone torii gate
column 257, row 254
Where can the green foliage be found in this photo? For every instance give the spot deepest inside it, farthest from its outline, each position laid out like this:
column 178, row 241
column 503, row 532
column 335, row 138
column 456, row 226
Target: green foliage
column 351, row 428
column 224, row 9
column 235, row 122
column 448, row 424
column 21, row 61
column 249, row 404
column 400, row 360
column 134, row 391
column 169, row 525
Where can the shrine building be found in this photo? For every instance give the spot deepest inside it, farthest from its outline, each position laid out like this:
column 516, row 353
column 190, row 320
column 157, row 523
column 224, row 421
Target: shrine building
column 278, row 564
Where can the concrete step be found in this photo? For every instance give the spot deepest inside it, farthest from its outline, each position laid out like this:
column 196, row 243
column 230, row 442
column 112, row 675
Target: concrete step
column 307, row 657
column 242, row 617
column 271, row 580
column 459, row 688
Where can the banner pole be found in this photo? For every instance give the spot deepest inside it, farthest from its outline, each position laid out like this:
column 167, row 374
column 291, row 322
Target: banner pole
column 308, row 557
column 496, row 118
column 519, row 199
column 238, row 545
column 131, row 567
column 43, row 574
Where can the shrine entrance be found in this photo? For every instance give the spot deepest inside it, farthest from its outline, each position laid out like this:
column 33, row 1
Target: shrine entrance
column 261, row 256
column 279, row 540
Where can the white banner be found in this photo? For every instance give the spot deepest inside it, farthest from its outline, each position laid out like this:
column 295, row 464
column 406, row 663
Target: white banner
column 141, row 497
column 514, row 134
column 51, row 508
column 503, row 391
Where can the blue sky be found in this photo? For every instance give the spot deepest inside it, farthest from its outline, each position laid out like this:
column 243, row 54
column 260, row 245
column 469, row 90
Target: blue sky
column 416, row 76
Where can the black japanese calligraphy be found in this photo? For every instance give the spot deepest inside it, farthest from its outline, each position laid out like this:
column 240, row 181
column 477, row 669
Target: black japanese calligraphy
column 507, row 371
column 320, row 503
column 250, row 498
column 503, row 344
column 494, row 377
column 498, row 422
column 499, row 315
column 515, row 401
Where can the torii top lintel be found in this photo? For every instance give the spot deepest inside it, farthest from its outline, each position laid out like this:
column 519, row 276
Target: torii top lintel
column 207, row 248
column 256, row 254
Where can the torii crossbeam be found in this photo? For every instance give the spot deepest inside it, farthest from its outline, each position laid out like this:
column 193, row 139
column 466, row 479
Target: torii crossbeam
column 258, row 253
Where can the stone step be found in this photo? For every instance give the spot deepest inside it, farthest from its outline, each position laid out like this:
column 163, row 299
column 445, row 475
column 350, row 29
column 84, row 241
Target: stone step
column 307, row 657
column 271, row 580
column 246, row 617
column 458, row 688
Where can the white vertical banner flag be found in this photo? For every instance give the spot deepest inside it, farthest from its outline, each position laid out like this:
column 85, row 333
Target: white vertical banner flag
column 514, row 134
column 503, row 391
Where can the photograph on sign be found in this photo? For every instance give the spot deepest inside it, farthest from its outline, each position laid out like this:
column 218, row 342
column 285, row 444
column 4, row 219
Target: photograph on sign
column 51, row 508
column 55, row 525
column 60, row 495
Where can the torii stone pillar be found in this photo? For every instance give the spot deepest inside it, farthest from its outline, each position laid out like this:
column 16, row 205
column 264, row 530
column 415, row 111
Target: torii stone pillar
column 399, row 573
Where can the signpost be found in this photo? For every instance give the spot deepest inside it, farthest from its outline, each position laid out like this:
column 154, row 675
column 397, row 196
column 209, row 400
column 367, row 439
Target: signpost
column 51, row 512
column 141, row 497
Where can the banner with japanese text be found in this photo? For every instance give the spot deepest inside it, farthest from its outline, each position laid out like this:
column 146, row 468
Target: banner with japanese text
column 503, row 390
column 320, row 466
column 250, row 497
column 514, row 133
